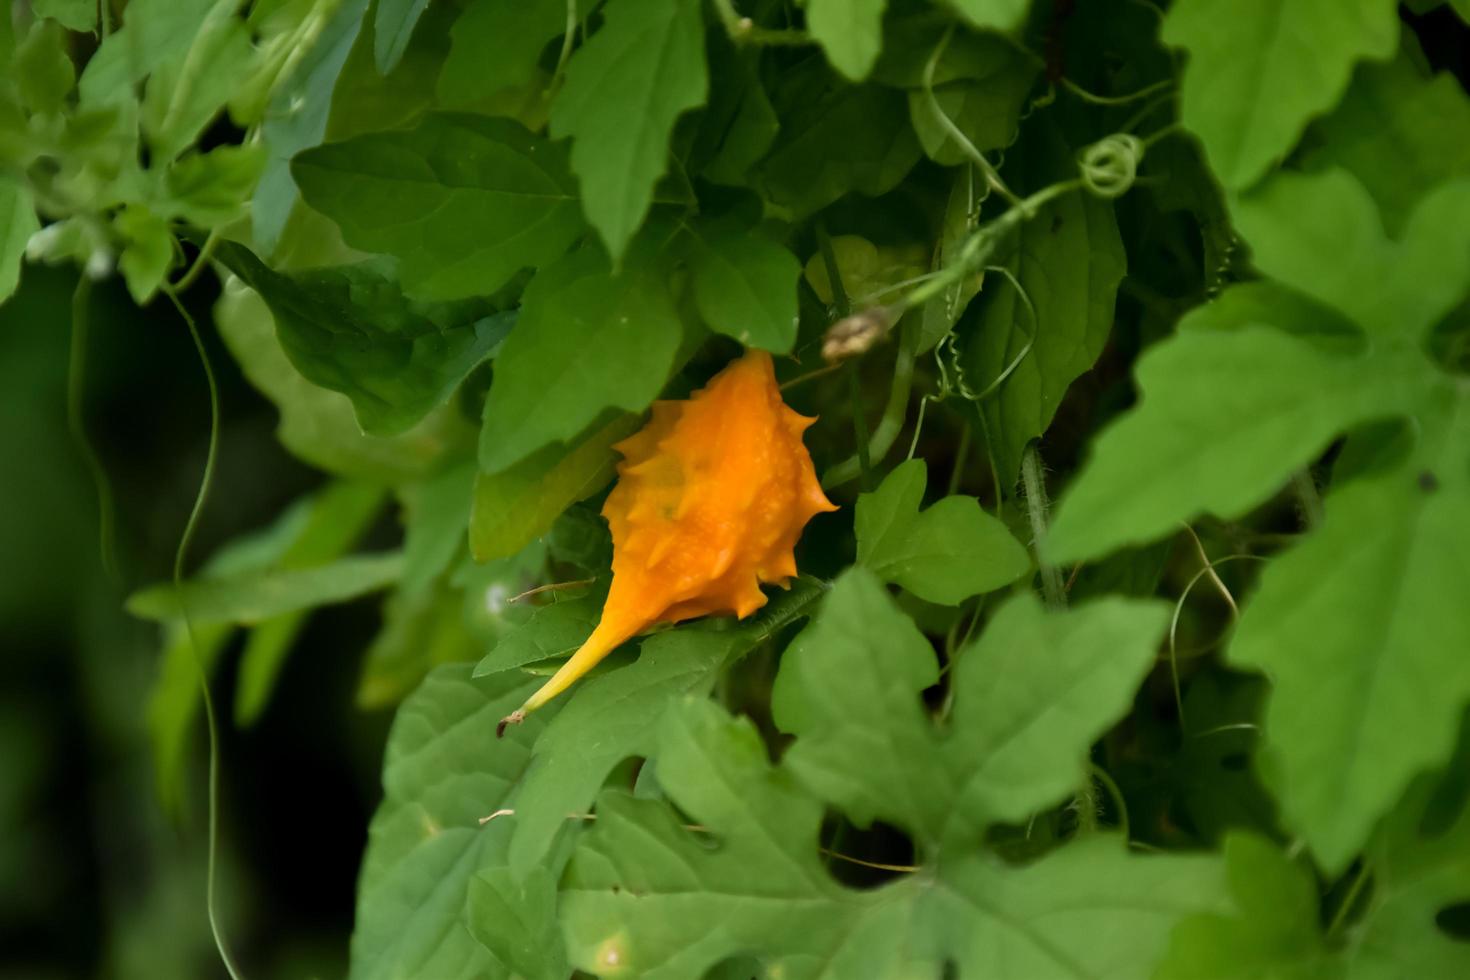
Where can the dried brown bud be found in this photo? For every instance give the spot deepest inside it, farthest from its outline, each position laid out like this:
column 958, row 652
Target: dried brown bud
column 857, row 334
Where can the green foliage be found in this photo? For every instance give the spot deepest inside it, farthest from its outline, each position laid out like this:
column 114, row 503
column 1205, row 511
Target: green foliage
column 505, row 200
column 624, row 90
column 1207, row 273
column 947, row 553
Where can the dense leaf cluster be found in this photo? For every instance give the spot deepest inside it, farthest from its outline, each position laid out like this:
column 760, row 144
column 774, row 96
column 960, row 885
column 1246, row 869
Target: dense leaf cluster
column 1199, row 268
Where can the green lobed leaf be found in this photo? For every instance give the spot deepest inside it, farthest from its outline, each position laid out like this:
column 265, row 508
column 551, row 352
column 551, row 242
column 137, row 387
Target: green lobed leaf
column 393, row 26
column 1359, row 628
column 617, row 715
column 317, row 425
column 1420, row 867
column 1229, row 409
column 463, row 202
column 1260, row 70
column 745, row 286
column 587, row 340
column 1272, row 934
column 553, row 630
column 849, row 31
column 1030, row 696
column 1401, row 132
column 351, row 329
column 443, row 771
column 516, row 505
column 251, row 597
column 1321, row 235
column 947, row 553
column 647, row 897
column 515, row 918
column 624, row 90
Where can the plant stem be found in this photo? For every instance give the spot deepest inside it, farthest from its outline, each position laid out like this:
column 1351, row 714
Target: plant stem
column 1345, row 907
column 1055, row 594
column 1036, row 510
column 1306, row 494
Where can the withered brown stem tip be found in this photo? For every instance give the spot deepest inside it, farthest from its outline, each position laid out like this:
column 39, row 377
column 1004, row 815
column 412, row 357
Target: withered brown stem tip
column 514, row 718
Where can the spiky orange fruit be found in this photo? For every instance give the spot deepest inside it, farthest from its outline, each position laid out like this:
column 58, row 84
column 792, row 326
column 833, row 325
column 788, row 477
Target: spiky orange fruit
column 712, row 496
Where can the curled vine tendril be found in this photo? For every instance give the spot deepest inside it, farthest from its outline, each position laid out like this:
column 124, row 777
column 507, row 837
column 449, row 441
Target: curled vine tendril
column 1110, row 166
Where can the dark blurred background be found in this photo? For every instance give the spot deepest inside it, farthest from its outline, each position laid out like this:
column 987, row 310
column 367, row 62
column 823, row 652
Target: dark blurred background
column 95, row 879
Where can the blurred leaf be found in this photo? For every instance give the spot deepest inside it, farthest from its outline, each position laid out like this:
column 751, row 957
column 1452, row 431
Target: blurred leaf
column 338, row 517
column 296, row 118
column 619, row 105
column 947, row 553
column 745, row 286
column 510, row 205
column 213, row 188
column 186, row 92
column 1031, row 695
column 1321, row 235
column 44, row 74
column 1259, row 70
column 156, row 32
column 420, row 632
column 74, row 15
column 985, row 105
column 318, row 425
column 739, row 124
column 1069, row 260
column 444, row 770
column 1272, row 935
column 1347, row 625
column 835, row 139
column 587, row 341
column 495, row 45
column 1399, row 132
column 393, row 26
column 352, row 330
column 615, row 715
column 18, row 223
column 849, row 31
column 1002, row 15
column 438, row 512
column 149, row 252
column 250, row 597
column 1419, row 871
column 516, row 505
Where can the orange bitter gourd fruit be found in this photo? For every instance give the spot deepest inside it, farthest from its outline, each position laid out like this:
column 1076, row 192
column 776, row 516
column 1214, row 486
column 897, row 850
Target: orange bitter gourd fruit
column 711, row 498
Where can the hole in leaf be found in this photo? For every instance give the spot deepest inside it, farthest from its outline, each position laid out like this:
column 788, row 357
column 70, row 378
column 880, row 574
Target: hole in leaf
column 1454, row 921
column 865, row 858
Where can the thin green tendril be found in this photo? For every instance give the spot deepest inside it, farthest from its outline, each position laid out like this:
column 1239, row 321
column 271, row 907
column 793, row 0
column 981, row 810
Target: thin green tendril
column 180, row 555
